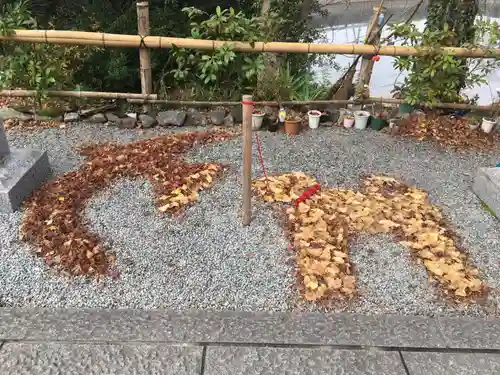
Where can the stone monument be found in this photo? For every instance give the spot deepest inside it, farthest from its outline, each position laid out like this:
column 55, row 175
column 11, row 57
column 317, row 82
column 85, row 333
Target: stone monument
column 487, row 188
column 22, row 170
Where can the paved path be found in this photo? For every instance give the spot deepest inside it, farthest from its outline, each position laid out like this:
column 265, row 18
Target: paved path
column 126, row 342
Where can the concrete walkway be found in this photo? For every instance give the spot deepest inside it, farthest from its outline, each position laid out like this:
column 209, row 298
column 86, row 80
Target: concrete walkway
column 126, row 342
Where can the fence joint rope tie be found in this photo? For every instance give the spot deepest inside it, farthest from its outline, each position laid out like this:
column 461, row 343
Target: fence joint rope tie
column 142, row 44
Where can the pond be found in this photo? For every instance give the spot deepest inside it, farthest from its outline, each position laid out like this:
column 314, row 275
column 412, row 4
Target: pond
column 384, row 75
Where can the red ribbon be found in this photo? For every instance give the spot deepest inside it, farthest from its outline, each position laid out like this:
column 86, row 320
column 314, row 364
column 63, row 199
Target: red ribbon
column 261, row 158
column 244, row 102
column 307, row 194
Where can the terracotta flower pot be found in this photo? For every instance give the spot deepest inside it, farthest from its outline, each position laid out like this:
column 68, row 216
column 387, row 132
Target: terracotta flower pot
column 292, row 127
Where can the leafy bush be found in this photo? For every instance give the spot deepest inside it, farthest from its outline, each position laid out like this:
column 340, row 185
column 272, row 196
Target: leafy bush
column 284, row 85
column 39, row 67
column 435, row 75
column 222, row 67
column 211, row 75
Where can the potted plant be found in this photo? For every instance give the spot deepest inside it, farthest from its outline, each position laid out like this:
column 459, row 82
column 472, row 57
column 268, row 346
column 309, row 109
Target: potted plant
column 395, row 122
column 473, row 122
column 405, row 109
column 257, row 119
column 378, row 121
column 489, row 123
column 273, row 124
column 314, row 117
column 361, row 119
column 292, row 125
column 348, row 120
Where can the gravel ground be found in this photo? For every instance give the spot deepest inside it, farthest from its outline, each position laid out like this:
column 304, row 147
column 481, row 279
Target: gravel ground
column 205, row 259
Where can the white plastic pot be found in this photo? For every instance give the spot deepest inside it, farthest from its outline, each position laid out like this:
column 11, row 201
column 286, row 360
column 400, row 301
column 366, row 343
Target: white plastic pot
column 342, row 113
column 348, row 122
column 361, row 119
column 314, row 117
column 487, row 125
column 393, row 123
column 257, row 119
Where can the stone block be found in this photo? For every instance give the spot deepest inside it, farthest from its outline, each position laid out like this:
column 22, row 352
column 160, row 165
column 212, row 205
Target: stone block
column 4, row 145
column 85, row 359
column 21, row 172
column 487, row 187
column 470, row 333
column 174, row 118
column 428, row 363
column 71, row 117
column 227, row 326
column 300, row 361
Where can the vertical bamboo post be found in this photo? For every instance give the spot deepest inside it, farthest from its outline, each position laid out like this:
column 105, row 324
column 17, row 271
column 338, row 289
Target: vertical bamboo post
column 145, row 59
column 374, row 33
column 247, row 158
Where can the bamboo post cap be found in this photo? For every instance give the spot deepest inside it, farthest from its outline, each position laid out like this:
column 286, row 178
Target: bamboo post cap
column 142, row 4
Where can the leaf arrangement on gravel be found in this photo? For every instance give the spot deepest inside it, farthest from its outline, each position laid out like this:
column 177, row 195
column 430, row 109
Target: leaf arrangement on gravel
column 28, row 124
column 53, row 220
column 321, row 225
column 451, row 132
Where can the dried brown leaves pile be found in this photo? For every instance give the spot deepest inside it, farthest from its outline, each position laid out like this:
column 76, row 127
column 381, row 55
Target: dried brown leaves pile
column 321, row 225
column 451, row 132
column 29, row 124
column 53, row 220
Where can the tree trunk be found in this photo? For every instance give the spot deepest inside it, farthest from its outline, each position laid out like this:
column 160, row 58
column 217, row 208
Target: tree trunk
column 275, row 61
column 266, row 5
column 270, row 59
column 306, row 9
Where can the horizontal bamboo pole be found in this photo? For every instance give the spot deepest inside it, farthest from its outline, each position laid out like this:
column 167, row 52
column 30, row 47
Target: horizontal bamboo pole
column 153, row 99
column 371, row 100
column 134, row 41
column 79, row 94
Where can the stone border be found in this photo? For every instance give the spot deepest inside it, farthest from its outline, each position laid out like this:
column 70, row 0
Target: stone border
column 259, row 328
column 487, row 187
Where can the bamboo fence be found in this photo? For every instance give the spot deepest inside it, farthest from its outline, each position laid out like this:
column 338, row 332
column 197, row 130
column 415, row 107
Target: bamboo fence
column 289, row 103
column 153, row 99
column 134, row 41
column 144, row 57
column 81, row 94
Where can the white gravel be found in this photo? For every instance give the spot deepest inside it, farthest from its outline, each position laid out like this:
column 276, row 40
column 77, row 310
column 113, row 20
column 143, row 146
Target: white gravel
column 205, row 259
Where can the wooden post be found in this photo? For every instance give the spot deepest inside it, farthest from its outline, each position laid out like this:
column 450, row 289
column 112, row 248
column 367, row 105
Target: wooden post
column 373, row 35
column 145, row 59
column 247, row 158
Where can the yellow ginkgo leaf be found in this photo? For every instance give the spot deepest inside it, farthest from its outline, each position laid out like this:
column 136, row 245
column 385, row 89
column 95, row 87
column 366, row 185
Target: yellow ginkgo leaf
column 310, row 282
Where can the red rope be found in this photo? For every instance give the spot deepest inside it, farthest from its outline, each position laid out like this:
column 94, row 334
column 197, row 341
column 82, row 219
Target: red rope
column 261, row 158
column 305, row 195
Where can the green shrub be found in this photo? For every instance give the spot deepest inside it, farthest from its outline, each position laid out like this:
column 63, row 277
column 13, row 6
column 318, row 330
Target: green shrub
column 436, row 75
column 39, row 67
